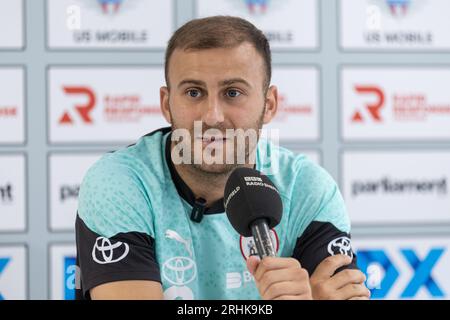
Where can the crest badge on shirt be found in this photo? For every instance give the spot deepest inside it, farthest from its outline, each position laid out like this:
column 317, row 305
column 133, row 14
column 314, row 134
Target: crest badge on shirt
column 248, row 245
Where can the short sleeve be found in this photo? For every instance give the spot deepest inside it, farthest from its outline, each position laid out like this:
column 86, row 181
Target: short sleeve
column 316, row 197
column 322, row 224
column 114, row 234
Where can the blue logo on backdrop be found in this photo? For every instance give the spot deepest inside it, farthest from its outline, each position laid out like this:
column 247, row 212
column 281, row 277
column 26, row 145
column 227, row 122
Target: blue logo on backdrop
column 422, row 270
column 70, row 277
column 3, row 263
column 399, row 7
column 253, row 5
column 106, row 4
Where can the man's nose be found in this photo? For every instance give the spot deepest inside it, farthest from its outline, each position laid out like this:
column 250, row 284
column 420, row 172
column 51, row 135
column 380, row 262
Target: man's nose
column 214, row 112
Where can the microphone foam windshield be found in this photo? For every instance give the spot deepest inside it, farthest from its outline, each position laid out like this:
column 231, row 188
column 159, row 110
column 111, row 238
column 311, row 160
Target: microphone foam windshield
column 249, row 196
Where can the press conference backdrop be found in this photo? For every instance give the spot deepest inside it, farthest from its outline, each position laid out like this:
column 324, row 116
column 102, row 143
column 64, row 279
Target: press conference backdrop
column 364, row 91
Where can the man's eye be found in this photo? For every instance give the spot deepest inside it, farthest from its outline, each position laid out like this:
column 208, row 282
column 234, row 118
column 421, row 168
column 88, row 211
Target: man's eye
column 193, row 93
column 233, row 93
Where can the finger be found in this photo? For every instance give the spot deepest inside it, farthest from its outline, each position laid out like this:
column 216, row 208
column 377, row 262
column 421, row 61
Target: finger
column 290, row 297
column 274, row 263
column 252, row 263
column 345, row 277
column 289, row 288
column 353, row 290
column 287, row 297
column 359, row 298
column 274, row 276
column 329, row 265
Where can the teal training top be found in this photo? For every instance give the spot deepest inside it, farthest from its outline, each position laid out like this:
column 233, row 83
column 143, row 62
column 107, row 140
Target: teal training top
column 134, row 223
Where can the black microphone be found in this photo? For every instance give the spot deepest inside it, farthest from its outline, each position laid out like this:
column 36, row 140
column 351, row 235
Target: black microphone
column 253, row 206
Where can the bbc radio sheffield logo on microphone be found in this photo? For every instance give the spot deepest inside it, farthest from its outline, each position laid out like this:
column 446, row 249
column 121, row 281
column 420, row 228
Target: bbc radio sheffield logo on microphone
column 406, row 268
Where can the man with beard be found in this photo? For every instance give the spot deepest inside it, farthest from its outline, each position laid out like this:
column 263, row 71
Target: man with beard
column 151, row 222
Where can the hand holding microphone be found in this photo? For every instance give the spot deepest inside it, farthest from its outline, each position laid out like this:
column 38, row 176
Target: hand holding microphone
column 254, row 206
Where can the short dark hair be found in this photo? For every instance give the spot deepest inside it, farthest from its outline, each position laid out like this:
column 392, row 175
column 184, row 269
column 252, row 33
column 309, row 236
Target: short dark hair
column 219, row 32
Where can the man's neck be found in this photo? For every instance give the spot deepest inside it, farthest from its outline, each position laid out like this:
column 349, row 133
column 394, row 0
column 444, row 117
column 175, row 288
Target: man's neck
column 209, row 186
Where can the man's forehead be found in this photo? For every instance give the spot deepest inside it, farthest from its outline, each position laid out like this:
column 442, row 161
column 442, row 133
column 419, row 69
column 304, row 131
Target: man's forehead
column 222, row 64
column 240, row 48
column 243, row 54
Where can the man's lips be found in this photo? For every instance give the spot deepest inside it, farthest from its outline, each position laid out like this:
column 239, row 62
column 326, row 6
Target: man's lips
column 212, row 140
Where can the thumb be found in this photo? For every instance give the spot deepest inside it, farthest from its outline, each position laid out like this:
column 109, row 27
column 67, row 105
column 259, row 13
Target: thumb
column 327, row 268
column 252, row 264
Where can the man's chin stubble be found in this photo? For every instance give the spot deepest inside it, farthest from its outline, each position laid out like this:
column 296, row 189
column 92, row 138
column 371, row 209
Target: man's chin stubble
column 215, row 169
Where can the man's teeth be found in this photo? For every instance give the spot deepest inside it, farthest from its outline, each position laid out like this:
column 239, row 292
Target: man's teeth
column 212, row 139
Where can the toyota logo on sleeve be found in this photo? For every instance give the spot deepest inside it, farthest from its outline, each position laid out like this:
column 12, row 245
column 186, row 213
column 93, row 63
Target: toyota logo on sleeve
column 340, row 245
column 105, row 252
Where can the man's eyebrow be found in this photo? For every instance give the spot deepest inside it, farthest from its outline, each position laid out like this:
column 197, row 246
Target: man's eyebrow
column 234, row 80
column 192, row 81
column 222, row 83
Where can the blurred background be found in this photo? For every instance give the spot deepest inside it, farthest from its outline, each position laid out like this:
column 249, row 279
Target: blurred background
column 365, row 92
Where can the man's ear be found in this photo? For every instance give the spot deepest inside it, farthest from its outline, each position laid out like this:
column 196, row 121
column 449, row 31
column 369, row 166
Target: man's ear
column 271, row 105
column 164, row 103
